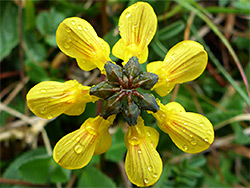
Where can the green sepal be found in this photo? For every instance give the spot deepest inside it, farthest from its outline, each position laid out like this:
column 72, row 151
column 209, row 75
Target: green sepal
column 131, row 113
column 103, row 90
column 146, row 80
column 113, row 105
column 132, row 68
column 147, row 102
column 114, row 72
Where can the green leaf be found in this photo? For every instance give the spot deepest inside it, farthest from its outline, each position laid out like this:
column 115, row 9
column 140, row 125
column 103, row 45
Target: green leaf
column 11, row 171
column 34, row 50
column 159, row 48
column 59, row 174
column 91, row 177
column 240, row 137
column 9, row 28
column 47, row 23
column 118, row 148
column 197, row 162
column 171, row 30
column 35, row 72
column 36, row 170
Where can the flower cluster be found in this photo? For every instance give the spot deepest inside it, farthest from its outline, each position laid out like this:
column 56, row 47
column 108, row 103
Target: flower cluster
column 191, row 132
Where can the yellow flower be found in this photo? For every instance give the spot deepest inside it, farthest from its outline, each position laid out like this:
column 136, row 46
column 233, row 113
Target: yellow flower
column 143, row 163
column 49, row 99
column 76, row 149
column 191, row 132
column 184, row 62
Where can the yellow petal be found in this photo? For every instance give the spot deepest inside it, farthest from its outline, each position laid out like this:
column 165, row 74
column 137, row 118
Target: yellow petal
column 77, row 39
column 76, row 149
column 143, row 164
column 137, row 25
column 104, row 140
column 184, row 62
column 50, row 99
column 191, row 132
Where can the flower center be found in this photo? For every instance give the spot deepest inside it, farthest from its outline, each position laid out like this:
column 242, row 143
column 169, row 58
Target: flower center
column 122, row 91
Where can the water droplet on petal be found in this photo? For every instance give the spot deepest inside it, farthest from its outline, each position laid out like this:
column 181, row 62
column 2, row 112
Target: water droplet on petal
column 50, row 116
column 78, row 148
column 150, row 168
column 201, row 124
column 173, row 56
column 148, row 133
column 43, row 110
column 43, row 90
column 136, row 6
column 185, row 123
column 127, row 14
column 80, row 109
column 73, row 22
column 145, row 180
column 68, row 40
column 68, row 29
column 193, row 142
column 185, row 148
column 78, row 138
column 206, row 139
column 79, row 27
column 191, row 135
column 134, row 141
column 184, row 130
column 85, row 29
column 139, row 151
column 184, row 44
column 155, row 175
column 66, row 45
column 209, row 132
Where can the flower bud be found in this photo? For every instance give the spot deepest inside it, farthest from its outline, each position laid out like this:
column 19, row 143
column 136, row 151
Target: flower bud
column 114, row 72
column 147, row 102
column 131, row 113
column 132, row 68
column 103, row 90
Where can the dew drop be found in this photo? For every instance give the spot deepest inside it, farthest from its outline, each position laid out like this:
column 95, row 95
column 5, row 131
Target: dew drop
column 79, row 27
column 209, row 132
column 148, row 133
column 191, row 135
column 68, row 29
column 43, row 91
column 50, row 116
column 73, row 23
column 139, row 151
column 68, row 40
column 206, row 139
column 78, row 138
column 127, row 14
column 85, row 29
column 185, row 148
column 78, row 148
column 173, row 56
column 43, row 110
column 136, row 6
column 134, row 141
column 66, row 45
column 185, row 123
column 155, row 175
column 184, row 44
column 201, row 124
column 167, row 79
column 151, row 30
column 193, row 142
column 150, row 168
column 145, row 180
column 183, row 130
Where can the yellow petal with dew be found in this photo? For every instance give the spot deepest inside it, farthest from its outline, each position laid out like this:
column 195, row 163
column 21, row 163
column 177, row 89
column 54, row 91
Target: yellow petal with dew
column 143, row 164
column 191, row 132
column 76, row 149
column 184, row 62
column 49, row 99
column 137, row 26
column 104, row 140
column 77, row 39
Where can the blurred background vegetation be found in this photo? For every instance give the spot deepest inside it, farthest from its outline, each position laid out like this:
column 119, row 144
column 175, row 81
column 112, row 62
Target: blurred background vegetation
column 29, row 55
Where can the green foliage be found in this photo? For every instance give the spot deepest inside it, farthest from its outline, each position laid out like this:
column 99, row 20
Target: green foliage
column 9, row 28
column 91, row 177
